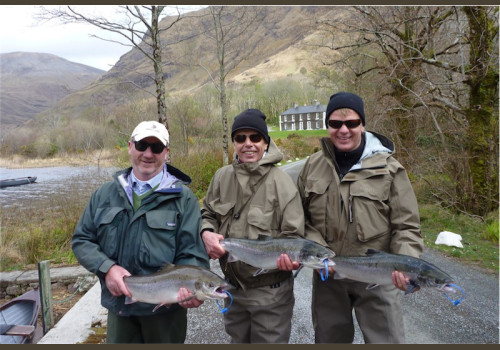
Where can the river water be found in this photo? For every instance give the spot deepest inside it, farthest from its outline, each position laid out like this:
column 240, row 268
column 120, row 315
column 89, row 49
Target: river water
column 50, row 182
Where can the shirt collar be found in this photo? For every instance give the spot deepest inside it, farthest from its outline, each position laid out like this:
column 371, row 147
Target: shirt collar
column 142, row 186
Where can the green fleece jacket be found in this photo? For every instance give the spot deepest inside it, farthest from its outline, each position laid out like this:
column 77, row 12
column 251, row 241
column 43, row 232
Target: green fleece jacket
column 164, row 229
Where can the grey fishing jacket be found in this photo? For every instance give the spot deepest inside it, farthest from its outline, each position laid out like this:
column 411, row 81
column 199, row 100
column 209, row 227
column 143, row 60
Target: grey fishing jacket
column 251, row 199
column 164, row 229
column 372, row 206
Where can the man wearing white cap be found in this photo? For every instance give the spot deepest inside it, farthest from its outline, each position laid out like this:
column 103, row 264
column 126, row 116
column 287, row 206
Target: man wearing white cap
column 134, row 225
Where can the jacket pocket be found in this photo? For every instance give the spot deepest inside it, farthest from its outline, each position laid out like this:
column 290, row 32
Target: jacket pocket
column 108, row 221
column 370, row 210
column 316, row 202
column 223, row 214
column 261, row 221
column 158, row 238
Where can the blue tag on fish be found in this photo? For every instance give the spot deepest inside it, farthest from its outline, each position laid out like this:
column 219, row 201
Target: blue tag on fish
column 323, row 274
column 455, row 302
column 223, row 311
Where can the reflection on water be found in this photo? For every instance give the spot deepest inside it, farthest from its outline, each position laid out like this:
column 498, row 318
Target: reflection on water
column 51, row 181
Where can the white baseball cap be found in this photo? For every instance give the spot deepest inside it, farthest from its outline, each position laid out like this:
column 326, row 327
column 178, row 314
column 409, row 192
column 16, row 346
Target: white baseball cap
column 151, row 129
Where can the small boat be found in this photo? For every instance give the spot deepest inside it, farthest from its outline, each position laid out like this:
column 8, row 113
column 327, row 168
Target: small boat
column 18, row 318
column 17, row 181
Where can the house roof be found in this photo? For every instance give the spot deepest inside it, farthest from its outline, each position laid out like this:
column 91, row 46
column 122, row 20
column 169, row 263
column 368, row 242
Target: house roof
column 305, row 109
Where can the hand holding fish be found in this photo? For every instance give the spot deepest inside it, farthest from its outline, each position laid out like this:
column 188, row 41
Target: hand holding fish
column 115, row 283
column 401, row 281
column 284, row 263
column 189, row 300
column 212, row 244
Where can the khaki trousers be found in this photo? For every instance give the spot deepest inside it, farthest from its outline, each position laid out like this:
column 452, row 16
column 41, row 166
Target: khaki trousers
column 378, row 312
column 261, row 315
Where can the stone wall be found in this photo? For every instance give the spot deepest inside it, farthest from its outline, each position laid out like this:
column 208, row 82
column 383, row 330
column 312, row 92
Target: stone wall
column 15, row 283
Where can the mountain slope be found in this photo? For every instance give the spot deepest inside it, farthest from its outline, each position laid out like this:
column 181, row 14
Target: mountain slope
column 33, row 82
column 279, row 54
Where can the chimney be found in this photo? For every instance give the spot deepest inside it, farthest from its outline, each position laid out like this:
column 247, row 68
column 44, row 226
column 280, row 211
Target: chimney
column 296, row 105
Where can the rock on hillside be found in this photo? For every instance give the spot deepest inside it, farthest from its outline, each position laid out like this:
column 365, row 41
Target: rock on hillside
column 33, row 82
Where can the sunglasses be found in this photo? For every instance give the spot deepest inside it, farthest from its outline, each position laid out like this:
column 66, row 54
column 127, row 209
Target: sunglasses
column 156, row 147
column 242, row 138
column 351, row 124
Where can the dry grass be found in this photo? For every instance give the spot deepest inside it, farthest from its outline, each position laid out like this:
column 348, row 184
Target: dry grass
column 106, row 157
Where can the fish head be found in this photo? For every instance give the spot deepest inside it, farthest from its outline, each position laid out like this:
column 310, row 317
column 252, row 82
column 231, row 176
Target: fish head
column 431, row 276
column 213, row 287
column 313, row 255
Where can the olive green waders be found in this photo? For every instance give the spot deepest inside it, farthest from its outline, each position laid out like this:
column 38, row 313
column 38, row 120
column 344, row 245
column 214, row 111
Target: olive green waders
column 378, row 311
column 262, row 314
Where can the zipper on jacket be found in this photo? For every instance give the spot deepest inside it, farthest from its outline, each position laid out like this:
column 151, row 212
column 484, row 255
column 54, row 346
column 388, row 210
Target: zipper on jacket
column 350, row 209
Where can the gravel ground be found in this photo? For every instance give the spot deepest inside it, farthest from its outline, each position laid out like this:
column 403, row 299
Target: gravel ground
column 428, row 315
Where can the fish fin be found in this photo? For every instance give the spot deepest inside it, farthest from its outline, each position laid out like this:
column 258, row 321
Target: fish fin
column 411, row 287
column 232, row 258
column 129, row 300
column 262, row 237
column 297, row 271
column 371, row 286
column 160, row 305
column 259, row 271
column 373, row 252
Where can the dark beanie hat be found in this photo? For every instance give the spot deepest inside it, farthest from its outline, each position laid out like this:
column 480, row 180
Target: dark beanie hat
column 345, row 100
column 251, row 119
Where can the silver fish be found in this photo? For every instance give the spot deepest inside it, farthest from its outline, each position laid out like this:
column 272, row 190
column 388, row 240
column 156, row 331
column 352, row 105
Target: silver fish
column 162, row 287
column 376, row 269
column 264, row 252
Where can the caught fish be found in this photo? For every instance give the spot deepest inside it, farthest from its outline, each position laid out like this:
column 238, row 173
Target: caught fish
column 161, row 288
column 376, row 269
column 264, row 252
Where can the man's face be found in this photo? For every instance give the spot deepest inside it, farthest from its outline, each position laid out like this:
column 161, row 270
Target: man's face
column 147, row 164
column 345, row 139
column 249, row 151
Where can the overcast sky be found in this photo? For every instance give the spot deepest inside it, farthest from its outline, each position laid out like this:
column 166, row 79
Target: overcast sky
column 19, row 31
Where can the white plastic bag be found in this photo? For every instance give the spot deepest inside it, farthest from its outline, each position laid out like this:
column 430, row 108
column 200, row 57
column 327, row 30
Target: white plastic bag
column 450, row 239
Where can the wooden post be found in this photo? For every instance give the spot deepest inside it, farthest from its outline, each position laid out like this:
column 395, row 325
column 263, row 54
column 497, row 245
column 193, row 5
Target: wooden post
column 45, row 295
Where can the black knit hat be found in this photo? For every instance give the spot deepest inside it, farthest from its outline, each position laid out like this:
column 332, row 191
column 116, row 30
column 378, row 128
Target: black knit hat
column 345, row 100
column 251, row 119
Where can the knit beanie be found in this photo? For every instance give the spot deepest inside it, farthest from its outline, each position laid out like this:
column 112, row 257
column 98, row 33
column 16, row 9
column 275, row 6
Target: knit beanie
column 345, row 100
column 251, row 119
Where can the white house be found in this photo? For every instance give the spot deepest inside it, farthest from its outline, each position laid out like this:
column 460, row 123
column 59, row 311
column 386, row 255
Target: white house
column 303, row 117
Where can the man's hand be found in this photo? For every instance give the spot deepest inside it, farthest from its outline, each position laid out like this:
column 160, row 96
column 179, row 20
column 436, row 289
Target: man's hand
column 401, row 281
column 212, row 244
column 115, row 283
column 185, row 294
column 286, row 264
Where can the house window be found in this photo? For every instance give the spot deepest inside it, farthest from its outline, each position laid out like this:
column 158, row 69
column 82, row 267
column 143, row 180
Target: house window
column 308, row 116
column 308, row 125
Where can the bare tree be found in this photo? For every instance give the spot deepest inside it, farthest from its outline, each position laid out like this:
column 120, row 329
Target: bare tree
column 439, row 66
column 231, row 31
column 140, row 27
